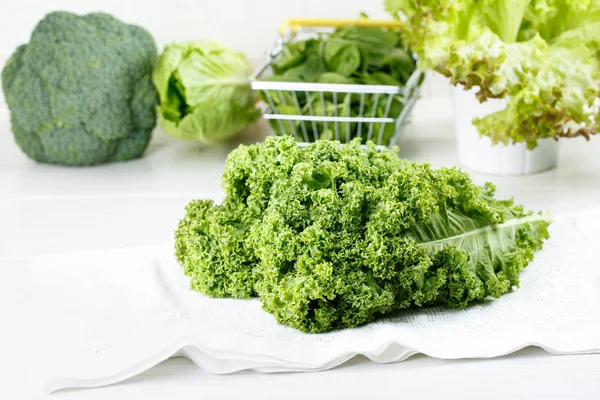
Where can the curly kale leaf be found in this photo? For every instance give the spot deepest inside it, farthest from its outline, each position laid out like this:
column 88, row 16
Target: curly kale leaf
column 211, row 246
column 333, row 236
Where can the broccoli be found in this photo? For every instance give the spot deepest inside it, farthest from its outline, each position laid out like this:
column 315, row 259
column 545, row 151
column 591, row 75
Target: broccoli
column 332, row 236
column 80, row 92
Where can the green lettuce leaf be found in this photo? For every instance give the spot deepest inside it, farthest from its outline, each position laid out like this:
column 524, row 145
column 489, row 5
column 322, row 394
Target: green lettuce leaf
column 204, row 91
column 544, row 54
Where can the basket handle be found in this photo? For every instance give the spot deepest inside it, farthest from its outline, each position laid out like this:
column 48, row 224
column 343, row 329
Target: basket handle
column 294, row 24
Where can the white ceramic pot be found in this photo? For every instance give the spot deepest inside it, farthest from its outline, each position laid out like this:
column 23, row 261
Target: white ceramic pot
column 477, row 153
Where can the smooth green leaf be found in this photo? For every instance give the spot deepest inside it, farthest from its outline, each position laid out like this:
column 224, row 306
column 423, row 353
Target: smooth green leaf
column 205, row 91
column 342, row 57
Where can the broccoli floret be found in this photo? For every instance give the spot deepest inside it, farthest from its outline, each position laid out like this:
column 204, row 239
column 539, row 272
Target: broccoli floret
column 80, row 92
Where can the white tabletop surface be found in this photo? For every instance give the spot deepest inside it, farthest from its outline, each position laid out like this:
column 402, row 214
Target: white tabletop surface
column 48, row 209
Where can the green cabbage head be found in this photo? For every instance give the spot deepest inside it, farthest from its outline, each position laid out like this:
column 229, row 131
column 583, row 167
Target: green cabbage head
column 204, row 90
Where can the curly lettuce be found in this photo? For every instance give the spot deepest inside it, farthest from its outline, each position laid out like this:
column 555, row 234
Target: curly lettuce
column 544, row 54
column 332, row 236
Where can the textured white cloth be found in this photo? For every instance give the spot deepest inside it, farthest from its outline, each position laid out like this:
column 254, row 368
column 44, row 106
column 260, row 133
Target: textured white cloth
column 106, row 316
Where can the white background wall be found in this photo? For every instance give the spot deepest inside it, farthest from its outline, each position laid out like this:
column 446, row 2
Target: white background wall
column 245, row 25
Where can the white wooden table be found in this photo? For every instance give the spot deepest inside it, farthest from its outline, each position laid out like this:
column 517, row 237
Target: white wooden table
column 47, row 209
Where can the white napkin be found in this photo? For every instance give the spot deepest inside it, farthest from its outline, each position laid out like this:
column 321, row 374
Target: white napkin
column 106, row 316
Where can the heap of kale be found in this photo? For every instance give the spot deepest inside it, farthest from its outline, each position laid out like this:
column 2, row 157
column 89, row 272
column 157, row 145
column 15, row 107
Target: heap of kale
column 332, row 236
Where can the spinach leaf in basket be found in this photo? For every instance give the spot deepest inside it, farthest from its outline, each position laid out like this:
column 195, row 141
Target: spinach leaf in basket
column 334, row 77
column 348, row 55
column 341, row 57
column 381, row 78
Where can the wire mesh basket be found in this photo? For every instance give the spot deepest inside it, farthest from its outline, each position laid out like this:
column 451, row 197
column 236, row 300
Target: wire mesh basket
column 310, row 122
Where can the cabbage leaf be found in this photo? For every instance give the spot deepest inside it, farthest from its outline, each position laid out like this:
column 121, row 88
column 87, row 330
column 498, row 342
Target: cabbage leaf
column 204, row 91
